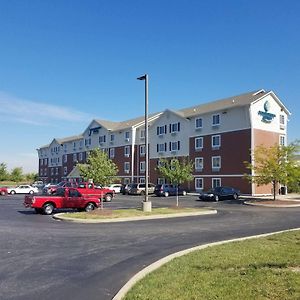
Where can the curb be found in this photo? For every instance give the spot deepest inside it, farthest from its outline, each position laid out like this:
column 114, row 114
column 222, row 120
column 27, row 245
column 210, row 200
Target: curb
column 272, row 205
column 138, row 276
column 60, row 217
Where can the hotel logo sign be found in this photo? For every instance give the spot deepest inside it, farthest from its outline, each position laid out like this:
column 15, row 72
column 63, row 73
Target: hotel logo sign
column 266, row 116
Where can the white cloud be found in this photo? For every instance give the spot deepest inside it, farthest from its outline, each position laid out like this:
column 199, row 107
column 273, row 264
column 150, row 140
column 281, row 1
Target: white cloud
column 36, row 113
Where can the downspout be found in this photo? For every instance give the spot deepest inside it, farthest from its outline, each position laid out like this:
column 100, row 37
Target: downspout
column 133, row 135
column 252, row 148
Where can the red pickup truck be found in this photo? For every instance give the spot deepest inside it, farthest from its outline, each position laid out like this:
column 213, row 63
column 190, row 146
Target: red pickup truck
column 65, row 198
column 3, row 191
column 88, row 188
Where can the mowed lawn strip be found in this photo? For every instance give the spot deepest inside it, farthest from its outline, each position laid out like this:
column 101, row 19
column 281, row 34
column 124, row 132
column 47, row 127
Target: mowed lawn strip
column 263, row 268
column 132, row 212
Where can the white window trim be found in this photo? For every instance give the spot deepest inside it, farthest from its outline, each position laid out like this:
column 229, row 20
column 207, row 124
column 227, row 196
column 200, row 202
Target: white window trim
column 202, row 184
column 198, row 138
column 142, row 166
column 199, row 159
column 198, row 127
column 212, row 139
column 212, row 120
column 212, row 162
column 126, row 169
column 215, row 178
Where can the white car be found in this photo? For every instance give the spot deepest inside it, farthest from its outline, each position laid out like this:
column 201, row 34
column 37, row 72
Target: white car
column 116, row 187
column 22, row 189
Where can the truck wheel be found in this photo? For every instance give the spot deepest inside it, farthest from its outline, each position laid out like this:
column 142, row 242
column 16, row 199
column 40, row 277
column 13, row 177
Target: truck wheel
column 12, row 192
column 184, row 193
column 48, row 209
column 38, row 210
column 108, row 197
column 166, row 194
column 89, row 207
column 31, row 192
column 2, row 193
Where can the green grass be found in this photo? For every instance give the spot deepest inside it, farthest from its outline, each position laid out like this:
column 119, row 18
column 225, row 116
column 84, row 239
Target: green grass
column 11, row 183
column 124, row 213
column 264, row 268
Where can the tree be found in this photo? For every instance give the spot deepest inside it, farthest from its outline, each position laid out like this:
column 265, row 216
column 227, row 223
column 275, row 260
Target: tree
column 273, row 165
column 16, row 174
column 3, row 172
column 98, row 168
column 176, row 172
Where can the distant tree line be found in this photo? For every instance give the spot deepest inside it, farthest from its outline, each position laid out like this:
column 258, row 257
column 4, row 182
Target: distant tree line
column 16, row 174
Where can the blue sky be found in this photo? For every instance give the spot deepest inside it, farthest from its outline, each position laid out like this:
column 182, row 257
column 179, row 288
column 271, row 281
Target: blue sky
column 63, row 63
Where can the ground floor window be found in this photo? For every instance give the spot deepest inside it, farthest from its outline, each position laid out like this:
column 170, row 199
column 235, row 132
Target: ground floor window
column 161, row 181
column 198, row 184
column 216, row 182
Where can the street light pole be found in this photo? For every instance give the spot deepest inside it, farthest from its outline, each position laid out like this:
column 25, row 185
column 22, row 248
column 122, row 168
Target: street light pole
column 146, row 203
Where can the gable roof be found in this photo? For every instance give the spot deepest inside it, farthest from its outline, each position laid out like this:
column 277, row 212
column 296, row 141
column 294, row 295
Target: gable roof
column 234, row 101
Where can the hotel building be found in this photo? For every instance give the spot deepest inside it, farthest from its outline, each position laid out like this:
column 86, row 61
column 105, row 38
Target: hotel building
column 217, row 136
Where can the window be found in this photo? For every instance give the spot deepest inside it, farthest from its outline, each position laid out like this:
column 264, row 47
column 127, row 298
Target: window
column 160, row 130
column 80, row 156
column 161, row 180
column 126, row 167
column 74, row 157
column 111, row 152
column 161, row 147
column 56, row 171
column 175, row 127
column 216, row 141
column 142, row 134
column 198, row 184
column 126, row 151
column 216, row 182
column 198, row 163
column 216, row 120
column 282, row 140
column 74, row 145
column 199, row 143
column 142, row 166
column 127, row 135
column 65, row 171
column 65, row 158
column 142, row 180
column 102, row 139
column 174, row 146
column 142, row 150
column 216, row 162
column 65, row 147
column 282, row 120
column 87, row 142
column 80, row 143
column 112, row 137
column 198, row 123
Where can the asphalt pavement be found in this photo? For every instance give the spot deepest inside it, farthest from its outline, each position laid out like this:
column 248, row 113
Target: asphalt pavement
column 42, row 258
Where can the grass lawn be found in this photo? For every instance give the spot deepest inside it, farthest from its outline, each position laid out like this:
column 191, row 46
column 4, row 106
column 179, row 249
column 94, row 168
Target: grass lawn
column 134, row 212
column 264, row 268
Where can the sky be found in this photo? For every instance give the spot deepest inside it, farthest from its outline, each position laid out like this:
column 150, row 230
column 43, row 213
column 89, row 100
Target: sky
column 66, row 62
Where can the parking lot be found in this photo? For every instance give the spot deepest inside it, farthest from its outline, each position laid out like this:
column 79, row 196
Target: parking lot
column 46, row 259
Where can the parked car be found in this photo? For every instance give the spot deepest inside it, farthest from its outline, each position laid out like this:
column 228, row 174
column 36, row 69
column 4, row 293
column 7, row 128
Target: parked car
column 88, row 188
column 116, row 187
column 22, row 189
column 3, row 191
column 220, row 193
column 169, row 190
column 38, row 184
column 126, row 188
column 51, row 189
column 140, row 189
